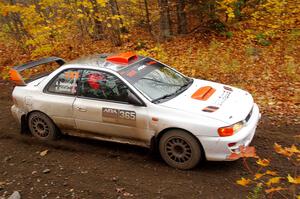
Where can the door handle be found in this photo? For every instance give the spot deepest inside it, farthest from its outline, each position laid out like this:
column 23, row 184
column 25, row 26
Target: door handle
column 81, row 109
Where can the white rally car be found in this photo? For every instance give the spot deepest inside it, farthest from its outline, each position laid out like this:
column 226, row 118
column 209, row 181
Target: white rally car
column 137, row 100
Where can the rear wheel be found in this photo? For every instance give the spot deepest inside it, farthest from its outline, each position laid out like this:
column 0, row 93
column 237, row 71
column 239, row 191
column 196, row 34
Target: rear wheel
column 179, row 149
column 42, row 127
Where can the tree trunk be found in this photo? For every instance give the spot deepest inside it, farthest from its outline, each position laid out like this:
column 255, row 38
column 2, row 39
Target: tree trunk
column 148, row 16
column 98, row 26
column 181, row 17
column 123, row 29
column 116, row 32
column 165, row 22
column 16, row 25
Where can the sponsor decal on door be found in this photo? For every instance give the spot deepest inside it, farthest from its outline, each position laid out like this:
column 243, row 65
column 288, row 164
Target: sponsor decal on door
column 118, row 116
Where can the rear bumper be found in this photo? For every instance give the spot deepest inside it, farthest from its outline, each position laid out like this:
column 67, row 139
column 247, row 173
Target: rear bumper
column 217, row 149
column 17, row 113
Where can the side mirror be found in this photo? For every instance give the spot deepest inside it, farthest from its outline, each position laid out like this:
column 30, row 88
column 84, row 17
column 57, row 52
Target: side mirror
column 132, row 99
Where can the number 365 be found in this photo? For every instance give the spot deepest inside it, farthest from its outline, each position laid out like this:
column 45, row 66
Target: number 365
column 128, row 115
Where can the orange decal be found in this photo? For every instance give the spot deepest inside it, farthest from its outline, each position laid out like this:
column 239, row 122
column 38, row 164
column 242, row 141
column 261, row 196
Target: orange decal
column 72, row 75
column 131, row 73
column 203, row 93
column 151, row 62
column 16, row 78
column 123, row 58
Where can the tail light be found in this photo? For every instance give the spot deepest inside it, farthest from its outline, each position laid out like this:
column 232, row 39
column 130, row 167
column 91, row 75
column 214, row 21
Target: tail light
column 14, row 101
column 230, row 130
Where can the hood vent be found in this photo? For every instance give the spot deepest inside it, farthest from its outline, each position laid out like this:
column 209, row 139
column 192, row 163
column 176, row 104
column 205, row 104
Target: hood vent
column 203, row 93
column 210, row 109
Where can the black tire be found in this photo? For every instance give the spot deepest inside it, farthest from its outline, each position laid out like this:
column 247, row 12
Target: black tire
column 179, row 149
column 42, row 127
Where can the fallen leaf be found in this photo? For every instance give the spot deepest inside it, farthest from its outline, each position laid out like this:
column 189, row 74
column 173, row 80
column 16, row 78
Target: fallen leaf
column 278, row 148
column 263, row 163
column 43, row 153
column 274, row 189
column 258, row 176
column 272, row 173
column 293, row 149
column 293, row 180
column 286, row 152
column 243, row 182
column 274, row 180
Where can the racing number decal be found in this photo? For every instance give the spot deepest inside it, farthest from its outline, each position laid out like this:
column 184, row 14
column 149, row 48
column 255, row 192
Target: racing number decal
column 127, row 115
column 119, row 116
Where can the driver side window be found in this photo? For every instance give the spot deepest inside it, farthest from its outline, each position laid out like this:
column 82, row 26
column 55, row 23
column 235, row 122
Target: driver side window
column 102, row 85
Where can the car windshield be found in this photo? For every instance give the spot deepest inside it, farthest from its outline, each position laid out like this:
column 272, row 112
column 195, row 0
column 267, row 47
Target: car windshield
column 155, row 80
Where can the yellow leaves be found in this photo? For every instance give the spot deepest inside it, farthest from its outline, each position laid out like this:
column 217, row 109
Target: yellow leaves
column 258, row 176
column 230, row 13
column 243, row 182
column 293, row 149
column 272, row 173
column 269, row 178
column 278, row 149
column 293, row 180
column 273, row 189
column 263, row 163
column 268, row 172
column 116, row 17
column 274, row 180
column 228, row 6
column 80, row 16
column 6, row 9
column 287, row 151
column 102, row 3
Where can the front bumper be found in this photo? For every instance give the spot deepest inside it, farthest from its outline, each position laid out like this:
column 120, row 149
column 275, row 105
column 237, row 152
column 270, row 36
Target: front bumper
column 217, row 149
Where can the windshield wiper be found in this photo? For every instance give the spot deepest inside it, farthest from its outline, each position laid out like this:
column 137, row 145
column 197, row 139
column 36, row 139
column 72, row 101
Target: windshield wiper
column 163, row 97
column 180, row 90
column 154, row 80
column 185, row 86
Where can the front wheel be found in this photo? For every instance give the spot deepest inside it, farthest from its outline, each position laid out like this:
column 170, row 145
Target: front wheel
column 42, row 127
column 179, row 149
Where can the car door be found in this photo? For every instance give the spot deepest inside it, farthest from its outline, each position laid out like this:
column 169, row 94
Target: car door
column 102, row 108
column 58, row 98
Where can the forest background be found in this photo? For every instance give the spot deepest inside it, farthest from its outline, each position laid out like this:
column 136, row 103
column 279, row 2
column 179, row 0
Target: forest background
column 252, row 44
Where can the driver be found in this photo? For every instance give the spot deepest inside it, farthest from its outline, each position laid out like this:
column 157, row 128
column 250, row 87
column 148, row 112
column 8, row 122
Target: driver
column 100, row 86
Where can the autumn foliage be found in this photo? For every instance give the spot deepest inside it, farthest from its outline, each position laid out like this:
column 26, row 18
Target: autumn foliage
column 244, row 43
column 272, row 183
column 252, row 44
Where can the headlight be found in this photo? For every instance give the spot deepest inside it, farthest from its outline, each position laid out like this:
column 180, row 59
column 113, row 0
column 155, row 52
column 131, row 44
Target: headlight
column 230, row 130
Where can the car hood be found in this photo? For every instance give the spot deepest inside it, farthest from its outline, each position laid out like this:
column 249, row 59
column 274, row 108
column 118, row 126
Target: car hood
column 213, row 100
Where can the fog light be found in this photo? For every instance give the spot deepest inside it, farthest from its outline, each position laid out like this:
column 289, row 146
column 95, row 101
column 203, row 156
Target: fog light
column 232, row 144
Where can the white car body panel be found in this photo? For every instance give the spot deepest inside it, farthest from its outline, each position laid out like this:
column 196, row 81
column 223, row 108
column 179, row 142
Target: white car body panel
column 83, row 117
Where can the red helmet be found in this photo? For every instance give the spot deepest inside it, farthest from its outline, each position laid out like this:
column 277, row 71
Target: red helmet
column 93, row 80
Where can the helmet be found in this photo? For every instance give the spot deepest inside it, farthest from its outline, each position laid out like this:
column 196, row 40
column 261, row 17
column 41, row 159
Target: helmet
column 93, row 80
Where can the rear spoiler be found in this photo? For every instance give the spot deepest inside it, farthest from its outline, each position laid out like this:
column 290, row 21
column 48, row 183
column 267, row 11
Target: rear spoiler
column 16, row 77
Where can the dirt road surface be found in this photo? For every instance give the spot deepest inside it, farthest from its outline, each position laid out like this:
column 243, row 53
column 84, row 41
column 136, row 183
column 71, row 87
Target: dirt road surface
column 83, row 168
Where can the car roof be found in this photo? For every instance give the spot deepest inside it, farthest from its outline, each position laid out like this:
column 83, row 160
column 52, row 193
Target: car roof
column 103, row 61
